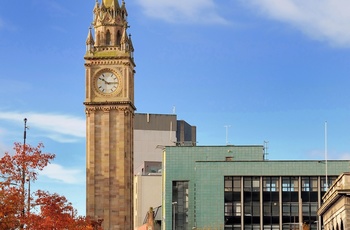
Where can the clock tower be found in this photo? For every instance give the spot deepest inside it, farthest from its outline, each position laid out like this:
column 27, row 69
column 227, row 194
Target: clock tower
column 109, row 107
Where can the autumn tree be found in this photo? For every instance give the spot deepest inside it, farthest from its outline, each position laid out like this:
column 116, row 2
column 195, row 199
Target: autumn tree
column 55, row 213
column 10, row 203
column 49, row 211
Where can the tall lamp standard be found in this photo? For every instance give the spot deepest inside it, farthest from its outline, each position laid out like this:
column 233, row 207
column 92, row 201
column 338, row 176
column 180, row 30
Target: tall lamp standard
column 23, row 164
column 174, row 217
column 28, row 179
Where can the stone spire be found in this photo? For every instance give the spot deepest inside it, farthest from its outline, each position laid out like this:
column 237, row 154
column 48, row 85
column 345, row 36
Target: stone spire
column 90, row 41
column 109, row 29
column 111, row 4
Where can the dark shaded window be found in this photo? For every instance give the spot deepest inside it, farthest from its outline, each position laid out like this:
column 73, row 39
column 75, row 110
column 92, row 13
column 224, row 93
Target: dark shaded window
column 330, row 180
column 270, row 202
column 309, row 212
column 251, row 184
column 290, row 184
column 290, row 199
column 290, row 213
column 180, row 204
column 108, row 38
column 271, row 184
column 233, row 209
column 251, row 202
column 119, row 38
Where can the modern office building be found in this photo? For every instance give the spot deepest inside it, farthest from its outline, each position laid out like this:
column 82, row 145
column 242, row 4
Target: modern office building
column 335, row 209
column 152, row 132
column 234, row 187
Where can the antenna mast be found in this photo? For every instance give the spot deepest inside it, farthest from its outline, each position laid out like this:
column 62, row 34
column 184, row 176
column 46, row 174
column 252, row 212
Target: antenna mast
column 227, row 127
column 265, row 149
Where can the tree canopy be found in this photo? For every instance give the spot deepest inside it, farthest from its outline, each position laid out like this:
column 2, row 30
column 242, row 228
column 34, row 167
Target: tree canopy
column 40, row 210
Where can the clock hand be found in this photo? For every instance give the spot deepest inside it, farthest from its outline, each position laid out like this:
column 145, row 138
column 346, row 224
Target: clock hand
column 108, row 83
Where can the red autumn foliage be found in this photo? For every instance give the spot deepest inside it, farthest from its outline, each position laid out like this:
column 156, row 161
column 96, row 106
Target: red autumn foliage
column 55, row 213
column 46, row 210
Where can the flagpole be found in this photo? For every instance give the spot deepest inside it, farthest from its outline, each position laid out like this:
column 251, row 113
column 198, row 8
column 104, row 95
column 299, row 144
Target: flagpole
column 326, row 153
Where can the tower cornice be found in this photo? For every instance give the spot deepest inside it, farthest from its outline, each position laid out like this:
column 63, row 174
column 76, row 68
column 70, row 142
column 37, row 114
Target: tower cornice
column 125, row 61
column 118, row 105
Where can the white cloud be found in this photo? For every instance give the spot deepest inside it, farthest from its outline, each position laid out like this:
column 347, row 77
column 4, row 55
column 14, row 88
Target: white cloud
column 61, row 128
column 53, row 7
column 183, row 11
column 326, row 20
column 344, row 156
column 59, row 173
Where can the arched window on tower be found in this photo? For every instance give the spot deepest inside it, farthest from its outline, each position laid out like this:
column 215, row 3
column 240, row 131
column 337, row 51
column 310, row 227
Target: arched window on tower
column 341, row 225
column 119, row 38
column 108, row 38
column 98, row 37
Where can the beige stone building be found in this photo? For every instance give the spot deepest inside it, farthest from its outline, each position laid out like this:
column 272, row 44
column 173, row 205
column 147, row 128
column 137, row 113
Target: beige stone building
column 335, row 209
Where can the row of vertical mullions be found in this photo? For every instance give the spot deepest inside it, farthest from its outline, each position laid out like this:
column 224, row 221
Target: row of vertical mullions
column 280, row 191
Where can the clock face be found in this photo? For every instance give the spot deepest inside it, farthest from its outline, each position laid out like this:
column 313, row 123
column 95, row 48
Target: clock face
column 107, row 82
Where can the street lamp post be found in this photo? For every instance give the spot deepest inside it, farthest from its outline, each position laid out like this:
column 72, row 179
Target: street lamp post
column 28, row 180
column 174, row 209
column 23, row 163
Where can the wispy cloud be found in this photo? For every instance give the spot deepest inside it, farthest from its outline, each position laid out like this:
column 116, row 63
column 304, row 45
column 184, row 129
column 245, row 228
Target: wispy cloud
column 344, row 156
column 325, row 20
column 183, row 11
column 64, row 175
column 331, row 155
column 61, row 128
column 7, row 25
column 53, row 7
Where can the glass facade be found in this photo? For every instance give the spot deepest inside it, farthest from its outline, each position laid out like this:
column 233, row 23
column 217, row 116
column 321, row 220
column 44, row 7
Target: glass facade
column 272, row 202
column 180, row 205
column 271, row 206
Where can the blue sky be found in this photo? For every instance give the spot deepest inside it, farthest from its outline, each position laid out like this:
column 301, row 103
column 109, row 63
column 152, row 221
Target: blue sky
column 273, row 70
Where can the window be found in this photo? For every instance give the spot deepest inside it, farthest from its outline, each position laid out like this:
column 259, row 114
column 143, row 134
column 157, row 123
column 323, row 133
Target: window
column 309, row 189
column 252, row 184
column 180, row 204
column 271, row 209
column 270, row 202
column 251, row 201
column 119, row 38
column 232, row 183
column 233, row 209
column 309, row 184
column 290, row 213
column 290, row 184
column 270, row 184
column 229, row 158
column 108, row 38
column 228, row 184
column 330, row 180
